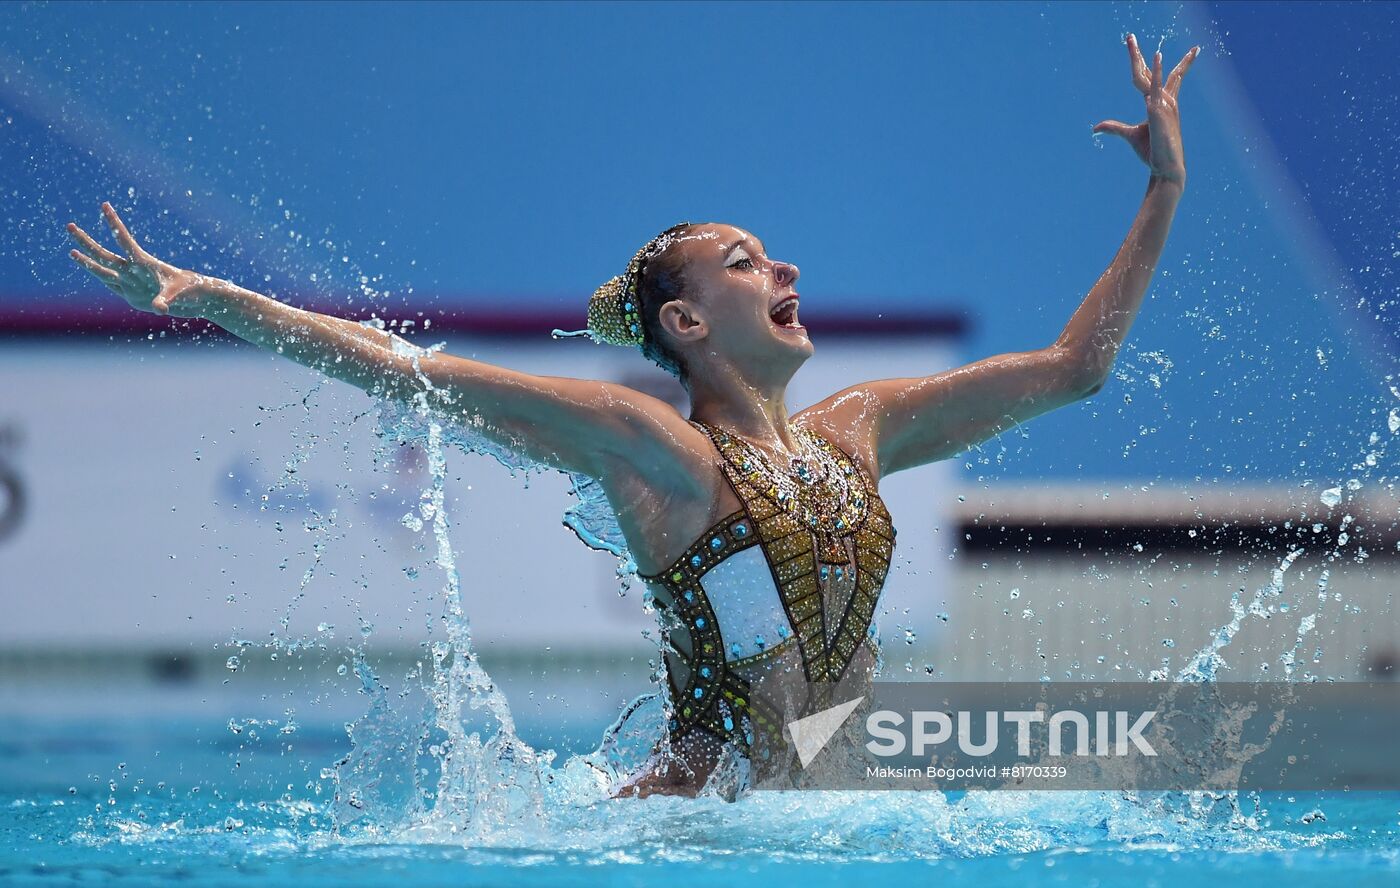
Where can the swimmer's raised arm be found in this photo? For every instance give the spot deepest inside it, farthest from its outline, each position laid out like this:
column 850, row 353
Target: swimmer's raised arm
column 573, row 424
column 909, row 422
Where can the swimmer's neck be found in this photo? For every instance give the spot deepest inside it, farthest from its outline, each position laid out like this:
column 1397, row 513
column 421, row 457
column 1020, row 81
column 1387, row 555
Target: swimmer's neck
column 756, row 413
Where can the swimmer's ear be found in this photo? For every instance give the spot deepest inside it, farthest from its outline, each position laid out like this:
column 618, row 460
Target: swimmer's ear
column 682, row 322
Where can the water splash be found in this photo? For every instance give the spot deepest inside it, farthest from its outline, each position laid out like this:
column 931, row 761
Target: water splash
column 556, row 333
column 491, row 786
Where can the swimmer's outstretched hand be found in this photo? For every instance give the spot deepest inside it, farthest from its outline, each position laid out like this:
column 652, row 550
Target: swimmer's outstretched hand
column 145, row 282
column 1158, row 139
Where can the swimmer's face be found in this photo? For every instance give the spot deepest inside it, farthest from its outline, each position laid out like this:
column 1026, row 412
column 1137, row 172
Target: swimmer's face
column 739, row 304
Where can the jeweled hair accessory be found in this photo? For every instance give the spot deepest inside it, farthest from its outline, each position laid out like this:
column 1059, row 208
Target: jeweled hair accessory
column 614, row 311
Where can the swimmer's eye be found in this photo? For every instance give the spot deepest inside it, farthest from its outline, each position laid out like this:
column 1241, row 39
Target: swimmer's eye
column 740, row 259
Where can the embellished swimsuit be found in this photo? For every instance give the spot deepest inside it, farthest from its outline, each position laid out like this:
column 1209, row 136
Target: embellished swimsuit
column 785, row 586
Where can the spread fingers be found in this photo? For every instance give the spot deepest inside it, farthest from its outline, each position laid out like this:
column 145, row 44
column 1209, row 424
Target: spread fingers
column 102, row 272
column 93, row 248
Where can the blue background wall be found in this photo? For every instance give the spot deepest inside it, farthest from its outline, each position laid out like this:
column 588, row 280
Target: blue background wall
column 907, row 157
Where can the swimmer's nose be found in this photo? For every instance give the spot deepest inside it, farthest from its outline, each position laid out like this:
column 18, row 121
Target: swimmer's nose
column 785, row 273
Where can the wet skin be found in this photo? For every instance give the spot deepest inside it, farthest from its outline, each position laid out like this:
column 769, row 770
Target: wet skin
column 660, row 473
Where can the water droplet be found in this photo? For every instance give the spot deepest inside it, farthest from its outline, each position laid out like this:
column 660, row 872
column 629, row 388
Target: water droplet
column 1331, row 496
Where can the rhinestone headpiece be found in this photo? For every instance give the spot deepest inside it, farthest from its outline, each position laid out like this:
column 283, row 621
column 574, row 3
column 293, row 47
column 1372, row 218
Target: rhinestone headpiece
column 614, row 311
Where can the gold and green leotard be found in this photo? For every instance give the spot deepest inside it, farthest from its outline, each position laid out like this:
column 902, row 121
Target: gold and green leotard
column 784, row 588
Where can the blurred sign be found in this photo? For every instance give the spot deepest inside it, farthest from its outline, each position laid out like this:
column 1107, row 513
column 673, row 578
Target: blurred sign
column 12, row 495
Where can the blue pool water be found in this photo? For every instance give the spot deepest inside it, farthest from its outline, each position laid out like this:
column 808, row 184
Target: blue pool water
column 158, row 797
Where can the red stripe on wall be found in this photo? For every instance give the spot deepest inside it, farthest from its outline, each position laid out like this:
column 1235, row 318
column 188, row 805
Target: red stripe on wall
column 115, row 320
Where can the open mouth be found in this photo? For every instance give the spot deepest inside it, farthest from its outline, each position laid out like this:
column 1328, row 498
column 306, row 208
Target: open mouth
column 784, row 314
